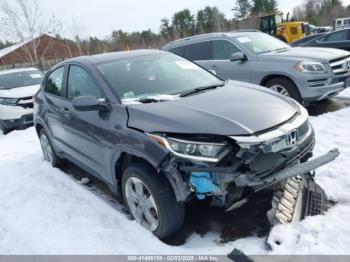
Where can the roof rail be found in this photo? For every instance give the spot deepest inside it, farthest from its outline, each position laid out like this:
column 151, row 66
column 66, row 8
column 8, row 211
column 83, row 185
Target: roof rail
column 210, row 34
column 195, row 36
column 245, row 30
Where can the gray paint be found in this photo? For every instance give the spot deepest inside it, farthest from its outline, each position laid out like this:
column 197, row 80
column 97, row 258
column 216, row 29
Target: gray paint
column 261, row 66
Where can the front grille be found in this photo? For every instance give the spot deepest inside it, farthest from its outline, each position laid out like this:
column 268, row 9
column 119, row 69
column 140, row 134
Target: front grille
column 303, row 129
column 341, row 65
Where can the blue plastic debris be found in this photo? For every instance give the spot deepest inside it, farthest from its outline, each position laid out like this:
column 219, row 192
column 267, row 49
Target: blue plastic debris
column 203, row 183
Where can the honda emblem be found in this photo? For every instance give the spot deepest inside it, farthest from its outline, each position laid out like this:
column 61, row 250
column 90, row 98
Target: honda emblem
column 292, row 137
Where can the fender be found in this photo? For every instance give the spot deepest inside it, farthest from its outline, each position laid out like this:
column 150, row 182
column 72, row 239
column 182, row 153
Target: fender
column 158, row 157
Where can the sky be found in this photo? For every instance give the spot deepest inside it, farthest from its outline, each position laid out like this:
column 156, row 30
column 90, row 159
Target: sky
column 100, row 17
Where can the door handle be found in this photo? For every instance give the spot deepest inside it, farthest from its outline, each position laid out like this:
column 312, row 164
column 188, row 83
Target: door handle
column 65, row 111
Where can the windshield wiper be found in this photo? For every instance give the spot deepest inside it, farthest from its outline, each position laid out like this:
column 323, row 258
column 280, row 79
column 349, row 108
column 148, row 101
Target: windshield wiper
column 281, row 49
column 148, row 100
column 200, row 89
column 264, row 52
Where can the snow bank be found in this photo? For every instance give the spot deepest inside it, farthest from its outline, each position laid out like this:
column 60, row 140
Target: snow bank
column 328, row 234
column 44, row 211
column 345, row 93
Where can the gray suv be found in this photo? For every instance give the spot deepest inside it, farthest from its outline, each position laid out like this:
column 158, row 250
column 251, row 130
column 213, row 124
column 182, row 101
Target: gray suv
column 163, row 131
column 305, row 74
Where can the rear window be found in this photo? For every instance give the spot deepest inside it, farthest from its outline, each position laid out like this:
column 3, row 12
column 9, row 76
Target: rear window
column 199, row 51
column 19, row 79
column 178, row 51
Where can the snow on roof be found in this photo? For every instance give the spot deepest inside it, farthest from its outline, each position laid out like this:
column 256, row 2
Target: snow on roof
column 8, row 71
column 12, row 48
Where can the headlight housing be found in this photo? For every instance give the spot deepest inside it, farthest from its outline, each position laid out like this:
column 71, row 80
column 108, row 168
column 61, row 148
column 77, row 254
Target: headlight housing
column 311, row 67
column 8, row 101
column 193, row 150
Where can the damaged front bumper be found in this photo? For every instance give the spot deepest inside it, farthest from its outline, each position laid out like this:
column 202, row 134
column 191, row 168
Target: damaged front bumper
column 202, row 183
column 293, row 171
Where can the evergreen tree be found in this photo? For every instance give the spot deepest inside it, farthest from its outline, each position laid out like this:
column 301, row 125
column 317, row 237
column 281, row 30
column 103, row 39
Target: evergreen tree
column 242, row 8
column 183, row 23
column 210, row 19
column 264, row 6
column 166, row 30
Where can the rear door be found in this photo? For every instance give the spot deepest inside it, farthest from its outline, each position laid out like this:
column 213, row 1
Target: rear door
column 200, row 54
column 55, row 100
column 224, row 67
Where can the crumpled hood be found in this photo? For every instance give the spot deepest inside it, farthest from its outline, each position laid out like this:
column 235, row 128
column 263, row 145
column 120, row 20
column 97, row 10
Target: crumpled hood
column 236, row 109
column 299, row 54
column 19, row 92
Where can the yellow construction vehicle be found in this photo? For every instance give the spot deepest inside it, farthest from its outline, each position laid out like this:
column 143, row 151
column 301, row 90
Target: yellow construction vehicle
column 288, row 31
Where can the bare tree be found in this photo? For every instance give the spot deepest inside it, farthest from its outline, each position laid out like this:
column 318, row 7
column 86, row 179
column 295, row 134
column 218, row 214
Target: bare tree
column 23, row 22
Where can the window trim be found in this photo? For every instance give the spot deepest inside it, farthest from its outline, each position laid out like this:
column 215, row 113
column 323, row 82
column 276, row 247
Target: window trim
column 89, row 73
column 63, row 96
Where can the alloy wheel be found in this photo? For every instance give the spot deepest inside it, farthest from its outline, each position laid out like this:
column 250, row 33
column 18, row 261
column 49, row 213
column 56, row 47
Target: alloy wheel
column 280, row 89
column 141, row 203
column 46, row 148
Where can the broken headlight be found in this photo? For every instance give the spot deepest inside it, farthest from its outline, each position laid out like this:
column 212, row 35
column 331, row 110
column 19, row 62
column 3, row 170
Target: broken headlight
column 193, row 150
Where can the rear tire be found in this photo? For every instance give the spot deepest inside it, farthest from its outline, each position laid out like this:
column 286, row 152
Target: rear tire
column 49, row 152
column 157, row 199
column 285, row 87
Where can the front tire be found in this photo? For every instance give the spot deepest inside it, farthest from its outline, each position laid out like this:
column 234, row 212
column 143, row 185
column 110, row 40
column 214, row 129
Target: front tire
column 48, row 150
column 284, row 87
column 151, row 200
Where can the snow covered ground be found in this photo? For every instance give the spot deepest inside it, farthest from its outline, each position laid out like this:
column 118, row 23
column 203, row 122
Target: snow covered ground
column 45, row 211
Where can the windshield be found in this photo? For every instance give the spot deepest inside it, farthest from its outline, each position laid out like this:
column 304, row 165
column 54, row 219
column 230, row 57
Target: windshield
column 259, row 43
column 19, row 79
column 161, row 76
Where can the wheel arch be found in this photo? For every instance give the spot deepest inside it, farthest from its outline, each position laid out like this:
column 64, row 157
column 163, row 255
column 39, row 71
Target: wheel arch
column 164, row 167
column 38, row 128
column 270, row 77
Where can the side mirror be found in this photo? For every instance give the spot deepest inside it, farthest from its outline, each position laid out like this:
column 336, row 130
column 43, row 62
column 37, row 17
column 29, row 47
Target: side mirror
column 89, row 103
column 238, row 56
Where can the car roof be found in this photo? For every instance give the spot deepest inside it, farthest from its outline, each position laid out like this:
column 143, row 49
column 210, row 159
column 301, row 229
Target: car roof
column 17, row 70
column 238, row 33
column 106, row 57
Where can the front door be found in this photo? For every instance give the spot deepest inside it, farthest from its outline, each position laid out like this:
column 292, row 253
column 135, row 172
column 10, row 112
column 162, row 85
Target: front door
column 86, row 131
column 223, row 66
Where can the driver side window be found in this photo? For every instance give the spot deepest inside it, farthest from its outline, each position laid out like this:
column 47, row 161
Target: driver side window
column 222, row 50
column 80, row 83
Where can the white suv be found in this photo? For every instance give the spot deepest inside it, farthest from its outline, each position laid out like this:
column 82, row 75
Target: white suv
column 17, row 87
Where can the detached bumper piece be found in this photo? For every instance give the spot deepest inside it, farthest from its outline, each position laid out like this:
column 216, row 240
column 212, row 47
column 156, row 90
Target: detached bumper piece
column 293, row 171
column 300, row 197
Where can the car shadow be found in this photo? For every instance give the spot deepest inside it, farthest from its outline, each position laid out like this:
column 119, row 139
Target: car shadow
column 328, row 106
